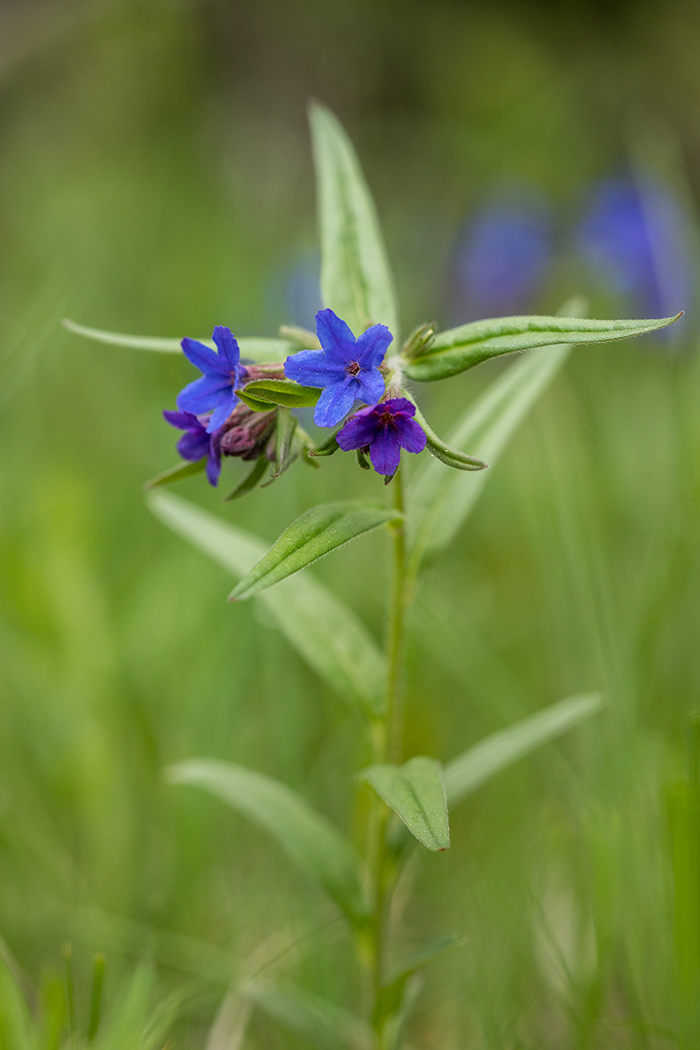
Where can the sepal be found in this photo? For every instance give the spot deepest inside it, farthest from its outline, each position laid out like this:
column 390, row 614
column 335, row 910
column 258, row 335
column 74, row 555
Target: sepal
column 451, row 457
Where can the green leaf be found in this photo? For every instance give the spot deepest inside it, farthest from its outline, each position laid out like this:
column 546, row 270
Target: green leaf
column 391, row 994
column 284, row 435
column 356, row 280
column 322, row 1023
column 466, row 773
column 461, row 348
column 261, row 394
column 323, row 630
column 317, row 532
column 440, row 499
column 329, row 446
column 257, row 349
column 309, row 839
column 301, row 338
column 250, row 481
column 177, row 473
column 451, row 457
column 415, row 792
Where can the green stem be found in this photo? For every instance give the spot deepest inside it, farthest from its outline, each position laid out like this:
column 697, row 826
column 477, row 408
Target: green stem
column 388, row 744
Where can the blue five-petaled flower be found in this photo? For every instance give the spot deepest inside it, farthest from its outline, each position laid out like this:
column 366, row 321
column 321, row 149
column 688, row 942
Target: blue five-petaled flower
column 196, row 442
column 214, row 391
column 386, row 429
column 346, row 368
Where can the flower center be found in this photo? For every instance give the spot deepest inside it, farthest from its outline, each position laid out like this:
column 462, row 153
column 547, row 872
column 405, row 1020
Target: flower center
column 386, row 418
column 353, row 368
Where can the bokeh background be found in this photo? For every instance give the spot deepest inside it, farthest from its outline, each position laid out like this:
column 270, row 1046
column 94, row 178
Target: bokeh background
column 155, row 178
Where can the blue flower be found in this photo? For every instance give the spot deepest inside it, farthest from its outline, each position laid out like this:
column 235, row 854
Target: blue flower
column 346, row 368
column 634, row 238
column 386, row 429
column 197, row 442
column 222, row 374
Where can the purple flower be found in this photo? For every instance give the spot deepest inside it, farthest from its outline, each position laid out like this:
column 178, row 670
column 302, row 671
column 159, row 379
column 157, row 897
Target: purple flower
column 386, row 428
column 222, row 374
column 197, row 442
column 346, row 368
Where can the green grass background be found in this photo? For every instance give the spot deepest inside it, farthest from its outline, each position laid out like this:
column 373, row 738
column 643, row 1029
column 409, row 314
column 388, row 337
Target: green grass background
column 155, row 178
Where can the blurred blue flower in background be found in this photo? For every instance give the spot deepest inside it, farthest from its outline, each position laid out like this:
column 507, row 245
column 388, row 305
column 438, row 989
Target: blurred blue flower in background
column 502, row 259
column 634, row 237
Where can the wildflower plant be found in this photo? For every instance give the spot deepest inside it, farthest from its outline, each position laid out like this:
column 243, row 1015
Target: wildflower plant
column 363, row 383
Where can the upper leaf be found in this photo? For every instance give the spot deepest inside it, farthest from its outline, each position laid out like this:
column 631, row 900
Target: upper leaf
column 252, row 347
column 356, row 280
column 317, row 532
column 460, row 348
column 489, row 756
column 416, row 793
column 325, row 631
column 262, row 394
column 310, row 839
column 440, row 499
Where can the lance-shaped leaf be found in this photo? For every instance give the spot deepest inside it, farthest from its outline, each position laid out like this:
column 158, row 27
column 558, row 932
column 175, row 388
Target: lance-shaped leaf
column 250, row 481
column 415, row 792
column 489, row 756
column 323, row 630
column 356, row 280
column 390, row 998
column 309, row 839
column 177, row 473
column 451, row 457
column 261, row 394
column 318, row 1021
column 252, row 347
column 317, row 532
column 460, row 348
column 440, row 499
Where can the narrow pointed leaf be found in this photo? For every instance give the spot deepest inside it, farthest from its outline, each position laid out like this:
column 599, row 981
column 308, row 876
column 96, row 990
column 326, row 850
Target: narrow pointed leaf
column 328, row 447
column 286, row 425
column 356, row 281
column 309, row 839
column 318, row 1021
column 323, row 630
column 415, row 792
column 252, row 347
column 440, row 499
column 301, row 338
column 317, row 532
column 451, row 457
column 278, row 392
column 177, row 473
column 460, row 348
column 391, row 994
column 250, row 481
column 467, row 772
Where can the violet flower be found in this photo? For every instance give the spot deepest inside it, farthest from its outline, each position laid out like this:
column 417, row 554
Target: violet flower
column 386, row 429
column 214, row 391
column 197, row 442
column 346, row 368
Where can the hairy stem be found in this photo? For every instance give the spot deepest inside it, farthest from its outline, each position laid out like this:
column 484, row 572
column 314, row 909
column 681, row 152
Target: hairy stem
column 387, row 745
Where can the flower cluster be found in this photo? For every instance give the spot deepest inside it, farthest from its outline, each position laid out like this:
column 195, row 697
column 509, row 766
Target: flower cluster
column 349, row 372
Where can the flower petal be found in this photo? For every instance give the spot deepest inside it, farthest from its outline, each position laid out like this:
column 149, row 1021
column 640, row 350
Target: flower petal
column 359, row 430
column 372, row 345
column 202, row 394
column 335, row 401
column 214, row 459
column 228, row 347
column 222, row 410
column 183, row 420
column 335, row 337
column 369, row 386
column 385, row 450
column 312, row 368
column 400, row 404
column 411, row 435
column 194, row 446
column 204, row 358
